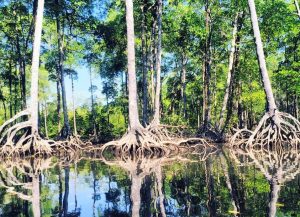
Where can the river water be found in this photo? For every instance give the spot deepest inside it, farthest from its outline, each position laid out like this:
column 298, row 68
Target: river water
column 219, row 183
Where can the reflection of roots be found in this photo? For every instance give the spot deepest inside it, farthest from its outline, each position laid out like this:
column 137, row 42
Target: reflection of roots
column 281, row 129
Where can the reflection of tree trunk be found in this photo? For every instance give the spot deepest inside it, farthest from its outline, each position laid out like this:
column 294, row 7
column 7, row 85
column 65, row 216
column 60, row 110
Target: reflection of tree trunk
column 36, row 206
column 60, row 193
column 146, row 196
column 66, row 195
column 160, row 192
column 275, row 188
column 136, row 183
column 211, row 203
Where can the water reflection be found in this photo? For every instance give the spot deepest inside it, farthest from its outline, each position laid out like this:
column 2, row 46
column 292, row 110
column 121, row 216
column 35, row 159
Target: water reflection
column 221, row 183
column 278, row 166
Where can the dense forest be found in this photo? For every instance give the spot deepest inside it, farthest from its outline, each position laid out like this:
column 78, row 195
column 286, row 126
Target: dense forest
column 198, row 65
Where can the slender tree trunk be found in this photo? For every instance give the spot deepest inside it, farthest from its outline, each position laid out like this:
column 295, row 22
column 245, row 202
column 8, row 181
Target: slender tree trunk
column 10, row 89
column 22, row 74
column 35, row 67
column 66, row 131
column 156, row 118
column 230, row 70
column 151, row 57
column 183, row 81
column 134, row 122
column 144, row 67
column 95, row 133
column 73, row 104
column 58, row 102
column 297, row 7
column 45, row 119
column 206, row 67
column 271, row 106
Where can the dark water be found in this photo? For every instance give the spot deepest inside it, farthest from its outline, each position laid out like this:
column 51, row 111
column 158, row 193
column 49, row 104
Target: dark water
column 225, row 183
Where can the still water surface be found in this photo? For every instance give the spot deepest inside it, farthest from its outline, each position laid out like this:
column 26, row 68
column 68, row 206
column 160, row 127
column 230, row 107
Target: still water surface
column 223, row 183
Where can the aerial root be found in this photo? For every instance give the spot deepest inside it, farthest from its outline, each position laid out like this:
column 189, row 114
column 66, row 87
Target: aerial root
column 141, row 142
column 281, row 129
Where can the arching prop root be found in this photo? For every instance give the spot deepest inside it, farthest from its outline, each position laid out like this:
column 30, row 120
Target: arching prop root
column 18, row 139
column 150, row 141
column 279, row 130
column 140, row 142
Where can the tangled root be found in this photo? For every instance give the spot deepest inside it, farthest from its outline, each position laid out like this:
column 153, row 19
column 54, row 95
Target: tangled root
column 140, row 141
column 73, row 143
column 281, row 129
column 18, row 139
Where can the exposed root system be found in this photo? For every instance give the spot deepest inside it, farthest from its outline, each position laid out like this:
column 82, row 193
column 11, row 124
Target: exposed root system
column 18, row 139
column 282, row 129
column 153, row 140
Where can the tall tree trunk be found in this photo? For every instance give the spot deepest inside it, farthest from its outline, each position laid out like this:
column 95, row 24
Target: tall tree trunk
column 151, row 57
column 35, row 67
column 58, row 102
column 156, row 118
column 134, row 122
column 10, row 89
column 229, row 82
column 183, row 81
column 66, row 131
column 95, row 133
column 73, row 104
column 206, row 68
column 297, row 7
column 22, row 74
column 45, row 119
column 271, row 106
column 144, row 67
